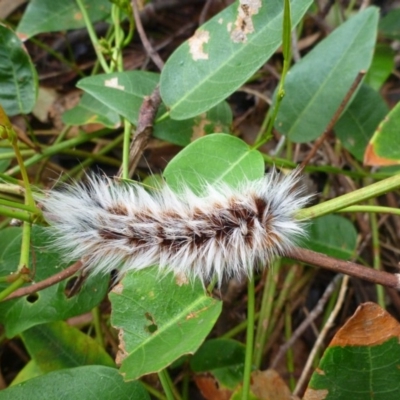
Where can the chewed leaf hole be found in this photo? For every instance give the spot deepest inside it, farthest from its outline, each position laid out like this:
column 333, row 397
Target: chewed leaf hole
column 32, row 298
column 73, row 286
column 153, row 326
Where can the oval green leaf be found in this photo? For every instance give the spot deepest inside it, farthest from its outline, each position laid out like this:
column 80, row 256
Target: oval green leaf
column 214, row 158
column 316, row 85
column 122, row 92
column 17, row 75
column 52, row 303
column 54, row 16
column 332, row 235
column 222, row 55
column 93, row 382
column 159, row 320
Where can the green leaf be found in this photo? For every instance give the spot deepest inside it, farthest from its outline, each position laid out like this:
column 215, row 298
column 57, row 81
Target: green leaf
column 214, row 158
column 52, row 303
column 220, row 57
column 182, row 133
column 361, row 362
column 358, row 123
column 90, row 111
column 316, row 86
column 383, row 148
column 54, row 16
column 381, row 67
column 223, row 358
column 390, row 24
column 57, row 345
column 123, row 92
column 93, row 382
column 159, row 320
column 332, row 235
column 18, row 78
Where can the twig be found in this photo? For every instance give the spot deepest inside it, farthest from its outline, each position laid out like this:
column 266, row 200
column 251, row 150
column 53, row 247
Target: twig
column 318, row 309
column 322, row 335
column 146, row 43
column 144, row 128
column 52, row 280
column 345, row 267
column 334, row 119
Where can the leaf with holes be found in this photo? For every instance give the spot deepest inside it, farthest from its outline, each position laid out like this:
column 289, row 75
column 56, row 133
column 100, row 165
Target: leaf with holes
column 159, row 319
column 123, row 92
column 52, row 303
column 223, row 54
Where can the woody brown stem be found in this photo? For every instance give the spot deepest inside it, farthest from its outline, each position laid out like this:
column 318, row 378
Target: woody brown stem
column 345, row 267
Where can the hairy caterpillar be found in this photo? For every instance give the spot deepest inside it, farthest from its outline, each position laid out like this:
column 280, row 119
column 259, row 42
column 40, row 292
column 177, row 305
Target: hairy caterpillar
column 226, row 231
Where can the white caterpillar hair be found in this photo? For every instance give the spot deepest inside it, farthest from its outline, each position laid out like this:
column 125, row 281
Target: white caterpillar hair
column 227, row 231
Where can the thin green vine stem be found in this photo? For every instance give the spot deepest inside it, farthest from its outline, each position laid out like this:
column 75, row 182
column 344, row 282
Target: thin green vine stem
column 57, row 55
column 371, row 209
column 238, row 328
column 280, row 94
column 376, row 252
column 126, row 147
column 97, row 326
column 20, row 215
column 349, row 199
column 267, row 303
column 86, row 163
column 11, row 154
column 13, row 181
column 285, row 292
column 289, row 353
column 155, row 393
column 28, row 192
column 165, row 383
column 10, row 289
column 284, row 163
column 19, row 206
column 119, row 37
column 25, row 246
column 248, row 361
column 93, row 37
column 58, row 148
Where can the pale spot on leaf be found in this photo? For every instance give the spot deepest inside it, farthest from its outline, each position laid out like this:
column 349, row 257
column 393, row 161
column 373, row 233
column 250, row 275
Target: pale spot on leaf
column 196, row 43
column 244, row 23
column 113, row 83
